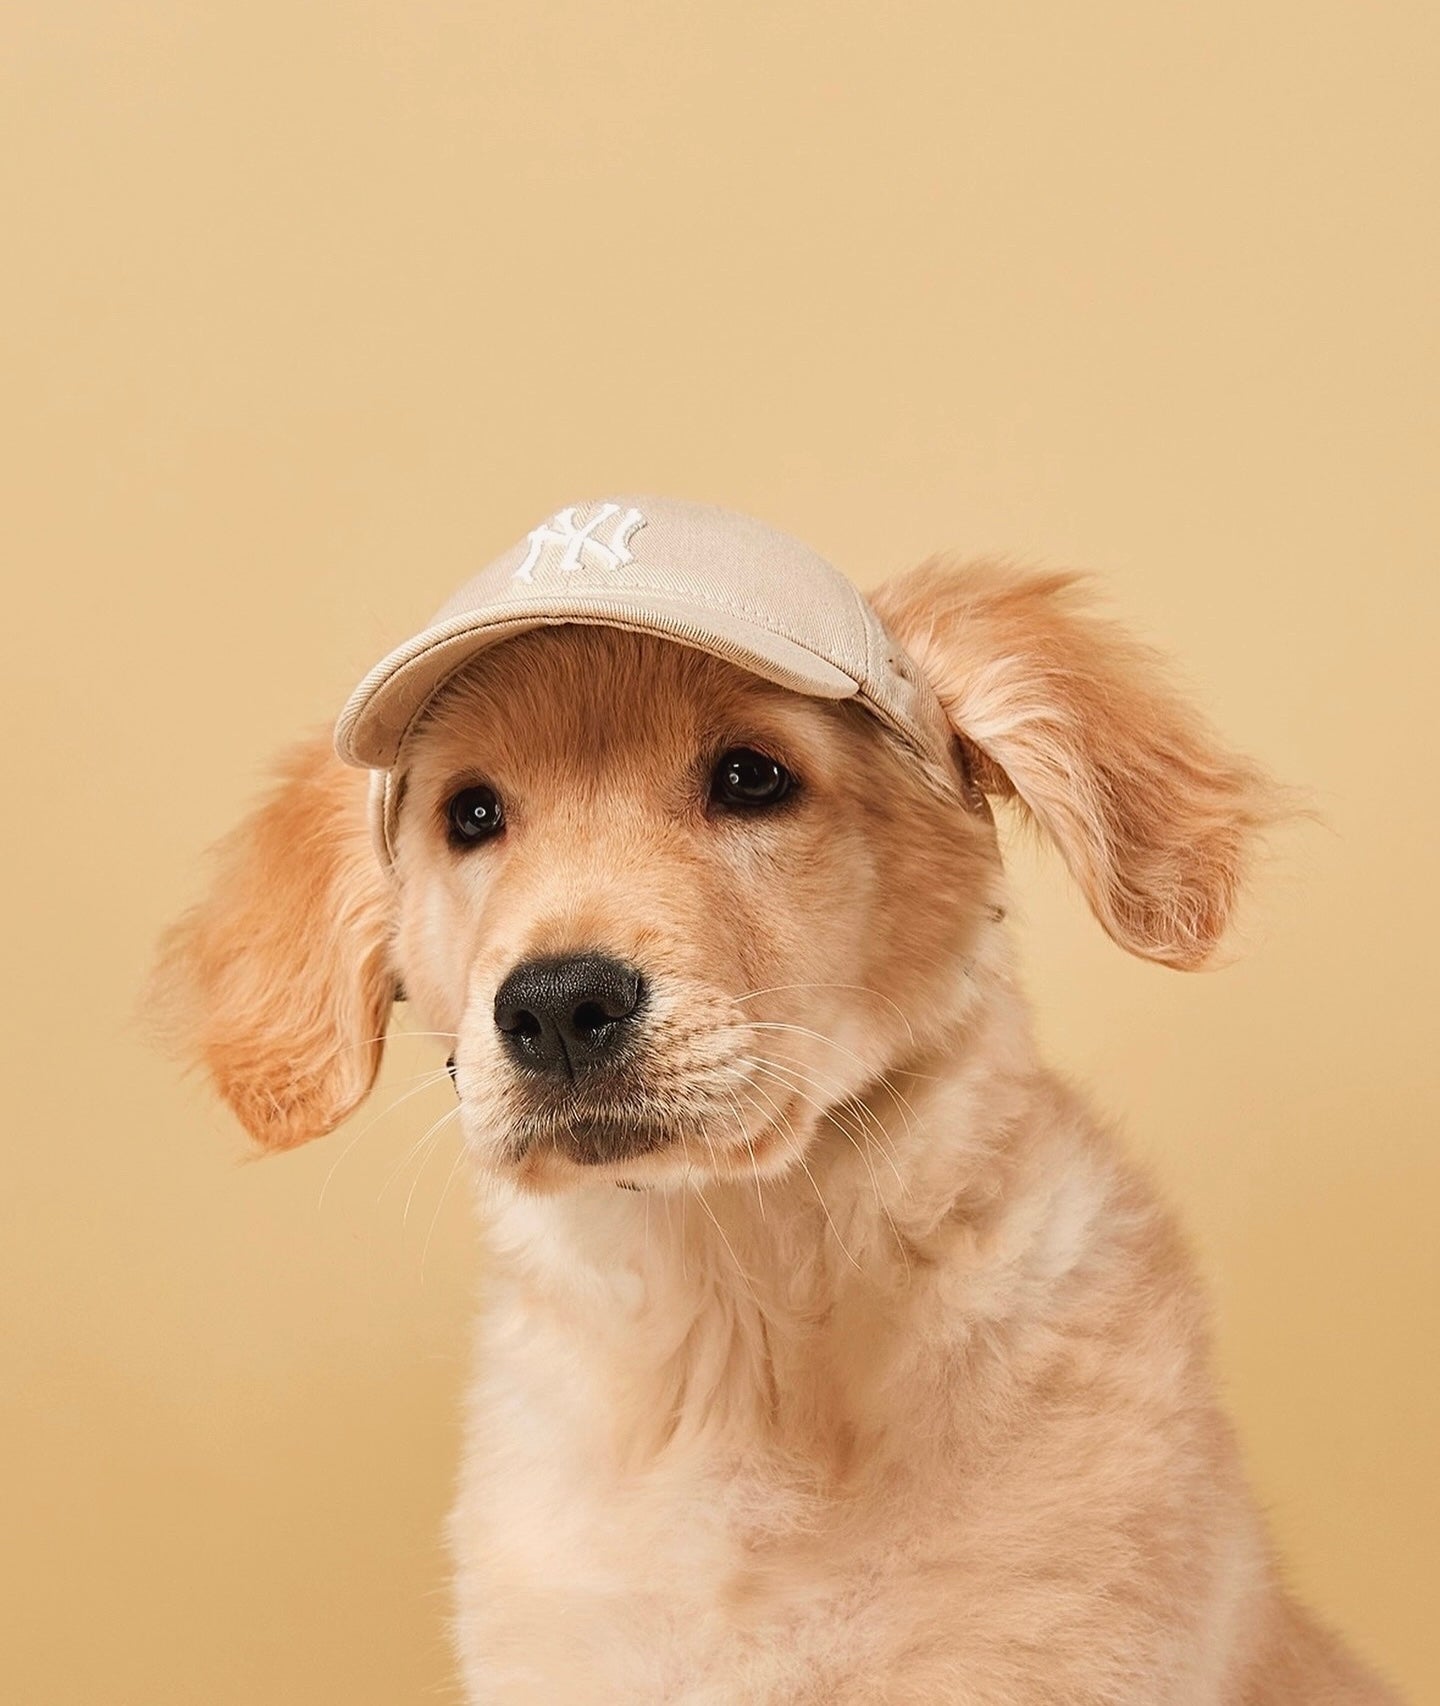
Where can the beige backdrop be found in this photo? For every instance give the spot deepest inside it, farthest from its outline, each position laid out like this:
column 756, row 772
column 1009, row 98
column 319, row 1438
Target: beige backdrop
column 309, row 308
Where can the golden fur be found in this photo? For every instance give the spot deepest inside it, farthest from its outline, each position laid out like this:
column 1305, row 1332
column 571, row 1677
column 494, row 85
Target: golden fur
column 890, row 1381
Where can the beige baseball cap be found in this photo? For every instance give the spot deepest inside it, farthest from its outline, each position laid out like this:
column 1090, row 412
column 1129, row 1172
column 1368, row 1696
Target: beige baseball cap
column 692, row 573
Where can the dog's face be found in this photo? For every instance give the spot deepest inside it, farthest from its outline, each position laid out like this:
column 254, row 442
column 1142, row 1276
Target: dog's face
column 671, row 913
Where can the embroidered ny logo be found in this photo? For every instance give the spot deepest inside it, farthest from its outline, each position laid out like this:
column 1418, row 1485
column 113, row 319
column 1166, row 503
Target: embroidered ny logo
column 564, row 533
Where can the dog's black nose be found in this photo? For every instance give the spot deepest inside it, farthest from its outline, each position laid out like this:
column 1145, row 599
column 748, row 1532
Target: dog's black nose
column 563, row 1016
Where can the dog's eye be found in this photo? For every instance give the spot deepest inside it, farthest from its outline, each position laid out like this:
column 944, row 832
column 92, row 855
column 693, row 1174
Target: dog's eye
column 747, row 778
column 474, row 814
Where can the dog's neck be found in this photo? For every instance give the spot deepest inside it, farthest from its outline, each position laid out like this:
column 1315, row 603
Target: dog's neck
column 776, row 1309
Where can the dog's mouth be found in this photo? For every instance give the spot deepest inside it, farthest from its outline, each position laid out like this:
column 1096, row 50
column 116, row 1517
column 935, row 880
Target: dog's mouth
column 600, row 1121
column 592, row 1139
column 655, row 1119
column 631, row 1140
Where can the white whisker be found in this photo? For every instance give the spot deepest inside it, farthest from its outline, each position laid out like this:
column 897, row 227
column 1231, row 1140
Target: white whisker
column 837, row 1115
column 749, row 1144
column 819, row 1195
column 415, row 1148
column 436, row 1129
column 859, row 988
column 426, row 1080
column 455, row 1166
column 845, row 1107
column 745, row 1278
column 862, row 1150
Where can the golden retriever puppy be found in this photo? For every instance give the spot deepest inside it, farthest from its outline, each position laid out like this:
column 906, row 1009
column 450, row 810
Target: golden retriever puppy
column 831, row 1350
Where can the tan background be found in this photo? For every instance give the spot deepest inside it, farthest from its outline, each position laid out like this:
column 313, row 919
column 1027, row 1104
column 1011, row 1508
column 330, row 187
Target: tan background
column 309, row 308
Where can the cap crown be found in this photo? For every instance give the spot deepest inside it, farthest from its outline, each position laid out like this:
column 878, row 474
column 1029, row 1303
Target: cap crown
column 702, row 576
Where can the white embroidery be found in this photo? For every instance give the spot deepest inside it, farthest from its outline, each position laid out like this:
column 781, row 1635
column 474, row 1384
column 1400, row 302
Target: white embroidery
column 563, row 530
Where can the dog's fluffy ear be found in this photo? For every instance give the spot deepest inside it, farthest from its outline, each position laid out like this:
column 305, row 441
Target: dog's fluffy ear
column 278, row 983
column 1074, row 719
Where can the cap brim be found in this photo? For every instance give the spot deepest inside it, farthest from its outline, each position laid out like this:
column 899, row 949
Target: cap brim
column 382, row 709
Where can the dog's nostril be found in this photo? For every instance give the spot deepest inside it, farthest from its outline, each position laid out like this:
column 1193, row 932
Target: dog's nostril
column 590, row 1016
column 562, row 1016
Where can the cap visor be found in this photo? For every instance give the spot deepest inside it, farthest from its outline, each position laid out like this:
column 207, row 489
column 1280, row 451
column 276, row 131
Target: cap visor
column 381, row 710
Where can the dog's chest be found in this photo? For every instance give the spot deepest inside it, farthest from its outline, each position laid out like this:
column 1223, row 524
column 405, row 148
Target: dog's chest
column 641, row 1585
column 687, row 1517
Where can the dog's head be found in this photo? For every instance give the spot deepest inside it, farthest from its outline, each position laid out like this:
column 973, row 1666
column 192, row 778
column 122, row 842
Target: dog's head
column 669, row 910
column 672, row 914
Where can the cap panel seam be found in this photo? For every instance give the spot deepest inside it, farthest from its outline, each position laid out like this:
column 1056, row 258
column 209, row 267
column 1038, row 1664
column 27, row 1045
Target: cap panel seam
column 862, row 610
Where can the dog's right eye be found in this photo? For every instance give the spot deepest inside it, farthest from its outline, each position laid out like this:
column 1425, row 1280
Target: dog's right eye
column 474, row 814
column 749, row 780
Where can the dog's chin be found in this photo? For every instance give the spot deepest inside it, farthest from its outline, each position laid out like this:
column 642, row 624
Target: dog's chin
column 548, row 1156
column 594, row 1145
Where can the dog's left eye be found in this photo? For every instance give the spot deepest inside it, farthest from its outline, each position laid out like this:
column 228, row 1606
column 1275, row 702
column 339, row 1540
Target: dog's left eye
column 746, row 778
column 474, row 814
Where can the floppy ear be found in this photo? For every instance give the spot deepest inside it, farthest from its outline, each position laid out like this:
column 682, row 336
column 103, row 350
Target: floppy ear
column 1074, row 719
column 278, row 983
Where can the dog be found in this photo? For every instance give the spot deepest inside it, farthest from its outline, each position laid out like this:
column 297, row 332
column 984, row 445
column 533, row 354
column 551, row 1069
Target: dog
column 831, row 1350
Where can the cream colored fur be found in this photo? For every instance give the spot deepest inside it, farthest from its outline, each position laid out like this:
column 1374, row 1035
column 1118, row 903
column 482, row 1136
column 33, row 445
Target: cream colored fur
column 890, row 1382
